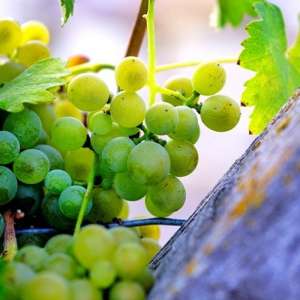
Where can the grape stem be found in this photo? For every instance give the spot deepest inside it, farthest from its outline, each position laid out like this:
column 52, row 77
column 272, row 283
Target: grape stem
column 90, row 67
column 148, row 136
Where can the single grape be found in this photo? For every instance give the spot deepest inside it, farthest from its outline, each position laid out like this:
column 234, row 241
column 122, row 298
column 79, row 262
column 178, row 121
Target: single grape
column 128, row 109
column 55, row 158
column 209, row 78
column 155, row 210
column 93, row 243
column 149, row 231
column 220, row 113
column 162, row 118
column 178, row 84
column 148, row 163
column 44, row 138
column 188, row 127
column 83, row 289
column 35, row 31
column 61, row 243
column 128, row 189
column 26, row 126
column 10, row 36
column 127, row 290
column 57, row 181
column 183, row 156
column 100, row 123
column 107, row 182
column 88, row 92
column 68, row 133
column 31, row 166
column 76, row 60
column 151, row 246
column 10, row 70
column 124, row 235
column 146, row 280
column 65, row 108
column 9, row 147
column 124, row 213
column 103, row 274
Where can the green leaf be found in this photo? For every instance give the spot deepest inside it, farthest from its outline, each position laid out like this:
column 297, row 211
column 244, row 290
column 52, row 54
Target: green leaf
column 31, row 86
column 67, row 7
column 276, row 76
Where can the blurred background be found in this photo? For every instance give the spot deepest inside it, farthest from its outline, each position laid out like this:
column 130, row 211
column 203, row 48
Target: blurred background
column 101, row 29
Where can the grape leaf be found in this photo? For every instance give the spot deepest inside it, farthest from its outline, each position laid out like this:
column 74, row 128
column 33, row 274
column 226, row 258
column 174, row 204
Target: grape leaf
column 32, row 84
column 67, row 7
column 277, row 76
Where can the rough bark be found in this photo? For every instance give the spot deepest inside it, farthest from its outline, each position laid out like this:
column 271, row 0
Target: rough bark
column 243, row 241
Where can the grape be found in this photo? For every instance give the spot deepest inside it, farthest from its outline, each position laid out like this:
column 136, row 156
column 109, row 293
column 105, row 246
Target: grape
column 79, row 163
column 88, row 92
column 130, row 260
column 220, row 113
column 100, row 123
column 31, row 166
column 151, row 246
column 46, row 286
column 35, row 31
column 9, row 71
column 127, row 189
column 67, row 109
column 209, row 78
column 93, row 243
column 70, row 201
column 9, row 147
column 124, row 235
column 128, row 131
column 115, row 153
column 68, row 133
column 124, row 213
column 146, row 280
column 44, row 138
column 76, row 60
column 57, row 181
column 8, row 185
column 26, row 126
column 128, row 109
column 61, row 243
column 162, row 118
column 107, row 182
column 82, row 289
column 188, row 127
column 106, row 205
column 155, row 210
column 148, row 163
column 178, row 84
column 103, row 274
column 55, row 158
column 150, row 231
column 32, row 256
column 127, row 290
column 10, row 36
column 31, row 52
column 183, row 156
column 17, row 274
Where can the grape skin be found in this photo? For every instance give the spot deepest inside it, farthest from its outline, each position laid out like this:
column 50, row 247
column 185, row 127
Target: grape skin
column 103, row 274
column 57, row 181
column 83, row 289
column 155, row 210
column 151, row 246
column 127, row 290
column 9, row 71
column 100, row 123
column 65, row 108
column 55, row 158
column 10, row 36
column 35, row 30
column 124, row 235
column 8, row 185
column 61, row 243
column 146, row 280
column 9, row 147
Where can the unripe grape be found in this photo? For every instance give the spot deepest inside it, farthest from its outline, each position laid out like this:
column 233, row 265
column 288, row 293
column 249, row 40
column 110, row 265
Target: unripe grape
column 65, row 108
column 103, row 274
column 57, row 181
column 10, row 36
column 151, row 246
column 155, row 210
column 9, row 71
column 9, row 147
column 146, row 280
column 83, row 289
column 61, row 243
column 35, row 31
column 100, row 123
column 55, row 158
column 8, row 185
column 124, row 235
column 124, row 213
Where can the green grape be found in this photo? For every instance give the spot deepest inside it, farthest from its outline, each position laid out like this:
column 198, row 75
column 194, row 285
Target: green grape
column 148, row 163
column 107, row 182
column 209, row 79
column 129, row 131
column 127, row 290
column 82, row 289
column 131, row 74
column 35, row 31
column 68, row 133
column 61, row 243
column 9, row 71
column 10, row 36
column 103, row 274
column 61, row 264
column 70, row 201
column 104, row 170
column 9, row 147
column 183, row 156
column 220, row 113
column 100, row 123
column 88, row 92
column 130, row 260
column 168, row 195
column 106, row 205
column 162, row 118
column 188, row 127
column 124, row 235
column 44, row 138
column 93, row 243
column 8, row 185
column 151, row 246
column 128, row 189
column 55, row 158
column 67, row 109
column 146, row 280
column 115, row 153
column 124, row 213
column 79, row 163
column 32, row 256
column 57, row 181
column 155, row 210
column 46, row 286
column 128, row 109
column 31, row 166
column 178, row 84
column 26, row 126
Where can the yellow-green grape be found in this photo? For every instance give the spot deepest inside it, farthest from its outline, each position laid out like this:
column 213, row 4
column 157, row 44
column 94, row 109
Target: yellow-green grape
column 100, row 123
column 220, row 113
column 31, row 52
column 35, row 31
column 127, row 290
column 10, row 36
column 151, row 246
column 131, row 74
column 124, row 213
column 8, row 185
column 103, row 274
column 146, row 280
column 55, row 158
column 209, row 79
column 61, row 243
column 183, row 156
column 162, row 118
column 9, row 71
column 88, row 92
column 155, row 210
column 178, row 84
column 188, row 127
column 67, row 109
column 124, row 235
column 128, row 109
column 149, row 231
column 83, row 289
